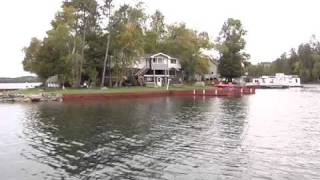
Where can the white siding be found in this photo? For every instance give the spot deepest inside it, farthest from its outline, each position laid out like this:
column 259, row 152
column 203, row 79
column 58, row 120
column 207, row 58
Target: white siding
column 159, row 64
column 176, row 65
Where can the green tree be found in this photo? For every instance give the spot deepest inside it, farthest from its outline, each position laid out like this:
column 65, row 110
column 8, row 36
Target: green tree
column 62, row 37
column 316, row 68
column 50, row 56
column 86, row 14
column 30, row 61
column 230, row 45
column 187, row 45
column 154, row 34
column 202, row 65
column 157, row 23
column 303, row 62
column 127, row 35
column 77, row 47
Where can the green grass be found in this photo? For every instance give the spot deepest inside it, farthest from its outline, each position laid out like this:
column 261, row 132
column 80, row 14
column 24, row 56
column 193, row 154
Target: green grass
column 109, row 90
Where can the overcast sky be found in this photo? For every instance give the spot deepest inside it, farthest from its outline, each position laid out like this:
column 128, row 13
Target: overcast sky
column 273, row 26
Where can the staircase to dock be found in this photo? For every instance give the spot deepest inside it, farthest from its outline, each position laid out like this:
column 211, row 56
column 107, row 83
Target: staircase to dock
column 140, row 75
column 142, row 71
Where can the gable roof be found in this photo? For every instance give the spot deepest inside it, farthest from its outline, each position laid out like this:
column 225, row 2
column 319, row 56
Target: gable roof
column 161, row 54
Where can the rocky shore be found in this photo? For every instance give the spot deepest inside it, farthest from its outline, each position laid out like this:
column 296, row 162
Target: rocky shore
column 18, row 97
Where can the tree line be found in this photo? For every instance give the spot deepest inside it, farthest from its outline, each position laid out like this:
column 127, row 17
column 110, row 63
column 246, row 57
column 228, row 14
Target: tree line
column 303, row 61
column 88, row 39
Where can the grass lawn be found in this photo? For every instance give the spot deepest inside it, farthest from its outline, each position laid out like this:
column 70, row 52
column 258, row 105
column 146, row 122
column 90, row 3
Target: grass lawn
column 109, row 90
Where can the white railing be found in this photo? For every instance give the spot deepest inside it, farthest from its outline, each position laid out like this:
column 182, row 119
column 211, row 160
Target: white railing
column 159, row 66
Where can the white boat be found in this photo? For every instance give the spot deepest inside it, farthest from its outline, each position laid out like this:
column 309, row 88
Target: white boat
column 280, row 80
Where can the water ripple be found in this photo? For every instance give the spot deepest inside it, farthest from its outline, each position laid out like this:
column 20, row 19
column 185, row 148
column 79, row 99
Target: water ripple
column 166, row 138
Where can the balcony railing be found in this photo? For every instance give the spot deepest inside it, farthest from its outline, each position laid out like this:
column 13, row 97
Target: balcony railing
column 155, row 66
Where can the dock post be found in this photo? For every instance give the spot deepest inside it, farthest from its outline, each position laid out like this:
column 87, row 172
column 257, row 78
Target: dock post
column 204, row 92
column 216, row 92
column 194, row 92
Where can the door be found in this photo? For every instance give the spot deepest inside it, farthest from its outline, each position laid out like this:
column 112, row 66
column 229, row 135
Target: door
column 159, row 81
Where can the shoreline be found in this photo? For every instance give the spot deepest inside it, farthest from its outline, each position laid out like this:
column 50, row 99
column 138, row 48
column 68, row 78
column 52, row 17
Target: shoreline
column 38, row 95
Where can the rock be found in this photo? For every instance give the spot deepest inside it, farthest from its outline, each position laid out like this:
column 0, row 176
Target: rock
column 7, row 100
column 26, row 100
column 60, row 99
column 45, row 95
column 11, row 95
column 5, row 96
column 18, row 97
column 35, row 98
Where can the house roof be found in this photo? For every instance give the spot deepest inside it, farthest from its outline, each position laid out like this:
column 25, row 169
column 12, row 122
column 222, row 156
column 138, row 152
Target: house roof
column 213, row 61
column 159, row 54
column 53, row 79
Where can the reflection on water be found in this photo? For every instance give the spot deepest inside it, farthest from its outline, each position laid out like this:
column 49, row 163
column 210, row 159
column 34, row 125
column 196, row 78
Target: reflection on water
column 273, row 135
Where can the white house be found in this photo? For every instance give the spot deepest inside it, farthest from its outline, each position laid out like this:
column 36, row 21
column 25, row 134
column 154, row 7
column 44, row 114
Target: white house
column 212, row 72
column 158, row 68
column 53, row 82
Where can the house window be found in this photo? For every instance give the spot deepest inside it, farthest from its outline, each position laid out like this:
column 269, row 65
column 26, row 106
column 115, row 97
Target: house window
column 160, row 60
column 154, row 60
column 173, row 61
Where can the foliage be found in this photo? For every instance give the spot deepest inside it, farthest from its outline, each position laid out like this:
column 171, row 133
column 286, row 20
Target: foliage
column 230, row 45
column 154, row 34
column 30, row 61
column 127, row 44
column 79, row 44
column 187, row 45
column 305, row 62
column 201, row 67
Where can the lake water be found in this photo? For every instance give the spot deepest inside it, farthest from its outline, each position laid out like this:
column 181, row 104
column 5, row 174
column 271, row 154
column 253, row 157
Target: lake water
column 274, row 134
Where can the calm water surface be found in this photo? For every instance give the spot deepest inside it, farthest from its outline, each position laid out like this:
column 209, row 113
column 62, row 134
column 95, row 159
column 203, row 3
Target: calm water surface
column 274, row 134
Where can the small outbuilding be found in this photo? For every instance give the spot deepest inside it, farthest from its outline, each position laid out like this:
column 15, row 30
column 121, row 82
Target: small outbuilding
column 53, row 82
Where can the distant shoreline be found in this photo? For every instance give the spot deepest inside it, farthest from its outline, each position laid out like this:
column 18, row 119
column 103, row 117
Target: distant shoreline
column 22, row 79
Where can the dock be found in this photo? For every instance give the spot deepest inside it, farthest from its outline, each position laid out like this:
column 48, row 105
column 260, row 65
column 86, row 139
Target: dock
column 219, row 91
